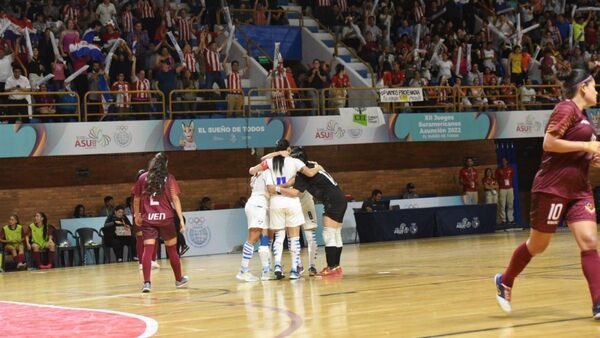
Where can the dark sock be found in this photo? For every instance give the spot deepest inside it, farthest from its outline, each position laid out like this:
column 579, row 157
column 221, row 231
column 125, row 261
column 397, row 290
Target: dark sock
column 518, row 262
column 338, row 256
column 139, row 247
column 330, row 253
column 37, row 258
column 51, row 255
column 590, row 263
column 147, row 261
column 175, row 262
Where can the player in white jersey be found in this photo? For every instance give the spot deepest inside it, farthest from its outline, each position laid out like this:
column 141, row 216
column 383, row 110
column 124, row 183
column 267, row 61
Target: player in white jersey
column 284, row 212
column 256, row 209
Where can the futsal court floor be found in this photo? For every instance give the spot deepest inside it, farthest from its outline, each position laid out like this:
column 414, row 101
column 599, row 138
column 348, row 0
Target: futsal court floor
column 420, row 288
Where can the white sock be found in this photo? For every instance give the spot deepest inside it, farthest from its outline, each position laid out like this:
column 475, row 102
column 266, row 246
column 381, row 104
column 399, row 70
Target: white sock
column 338, row 238
column 247, row 254
column 265, row 257
column 311, row 240
column 329, row 236
column 278, row 246
column 295, row 252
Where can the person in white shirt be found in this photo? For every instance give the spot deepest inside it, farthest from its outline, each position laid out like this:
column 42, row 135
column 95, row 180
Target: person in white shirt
column 527, row 94
column 106, row 11
column 17, row 102
column 284, row 212
column 257, row 214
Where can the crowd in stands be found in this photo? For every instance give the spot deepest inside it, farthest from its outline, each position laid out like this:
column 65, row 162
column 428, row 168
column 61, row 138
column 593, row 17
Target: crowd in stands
column 513, row 45
column 493, row 48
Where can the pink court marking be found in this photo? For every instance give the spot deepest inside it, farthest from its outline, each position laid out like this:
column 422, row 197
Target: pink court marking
column 36, row 320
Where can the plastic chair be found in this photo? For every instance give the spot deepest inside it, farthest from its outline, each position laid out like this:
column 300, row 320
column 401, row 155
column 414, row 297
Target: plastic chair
column 61, row 239
column 86, row 241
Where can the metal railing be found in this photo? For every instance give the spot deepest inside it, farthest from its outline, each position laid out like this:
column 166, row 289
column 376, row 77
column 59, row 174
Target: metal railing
column 184, row 102
column 334, row 98
column 45, row 106
column 123, row 105
column 237, row 12
column 294, row 102
column 482, row 98
column 544, row 97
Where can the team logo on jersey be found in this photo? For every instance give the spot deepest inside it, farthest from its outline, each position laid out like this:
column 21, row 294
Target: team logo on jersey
column 198, row 232
column 590, row 207
column 122, row 136
column 93, row 139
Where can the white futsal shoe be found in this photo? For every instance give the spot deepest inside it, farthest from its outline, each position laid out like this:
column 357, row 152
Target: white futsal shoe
column 246, row 277
column 503, row 294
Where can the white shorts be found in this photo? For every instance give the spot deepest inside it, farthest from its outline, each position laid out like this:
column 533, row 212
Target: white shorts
column 257, row 216
column 286, row 217
column 309, row 211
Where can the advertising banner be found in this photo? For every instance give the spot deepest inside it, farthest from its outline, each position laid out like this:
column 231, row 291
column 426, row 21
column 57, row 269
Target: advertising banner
column 401, row 94
column 352, row 126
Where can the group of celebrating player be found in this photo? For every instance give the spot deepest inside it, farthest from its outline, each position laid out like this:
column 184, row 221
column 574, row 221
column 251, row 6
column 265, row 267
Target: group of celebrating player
column 283, row 187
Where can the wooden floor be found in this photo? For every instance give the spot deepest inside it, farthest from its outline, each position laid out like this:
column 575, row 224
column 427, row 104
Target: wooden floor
column 433, row 287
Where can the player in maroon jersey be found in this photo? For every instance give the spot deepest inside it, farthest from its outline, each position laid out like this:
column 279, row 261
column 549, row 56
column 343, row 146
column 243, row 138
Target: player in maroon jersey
column 561, row 189
column 156, row 204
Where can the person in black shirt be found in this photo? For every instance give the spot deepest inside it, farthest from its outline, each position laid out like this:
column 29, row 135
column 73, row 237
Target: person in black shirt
column 117, row 232
column 315, row 78
column 325, row 189
column 374, row 203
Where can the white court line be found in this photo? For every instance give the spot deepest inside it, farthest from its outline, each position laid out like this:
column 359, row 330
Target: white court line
column 151, row 324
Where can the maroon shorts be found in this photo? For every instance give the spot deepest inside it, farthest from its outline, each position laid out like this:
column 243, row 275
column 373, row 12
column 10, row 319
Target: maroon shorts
column 548, row 210
column 166, row 232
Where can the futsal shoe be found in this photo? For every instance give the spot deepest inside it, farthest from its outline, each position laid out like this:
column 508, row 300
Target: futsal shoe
column 182, row 283
column 147, row 287
column 294, row 275
column 312, row 271
column 503, row 295
column 21, row 266
column 596, row 311
column 278, row 272
column 246, row 277
column 184, row 249
column 300, row 269
column 45, row 267
column 155, row 265
column 267, row 275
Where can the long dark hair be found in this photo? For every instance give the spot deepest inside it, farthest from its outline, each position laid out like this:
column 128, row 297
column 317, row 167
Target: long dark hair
column 573, row 82
column 157, row 174
column 44, row 223
column 77, row 213
column 282, row 144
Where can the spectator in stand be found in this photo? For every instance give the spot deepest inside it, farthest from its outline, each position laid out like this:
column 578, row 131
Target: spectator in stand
column 6, row 69
column 279, row 17
column 117, row 232
column 35, row 70
column 189, row 84
column 68, row 37
column 166, row 79
column 40, row 238
column 468, row 178
column 12, row 235
column 122, row 97
column 140, row 99
column 490, row 186
column 259, row 16
column 339, row 84
column 527, row 95
column 44, row 102
column 146, row 13
column 92, row 34
column 108, row 207
column 374, row 203
column 106, row 11
column 477, row 95
column 349, row 36
column 316, row 78
column 126, row 19
column 18, row 102
column 235, row 97
column 139, row 42
column 282, row 100
column 214, row 67
column 95, row 77
column 504, row 176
